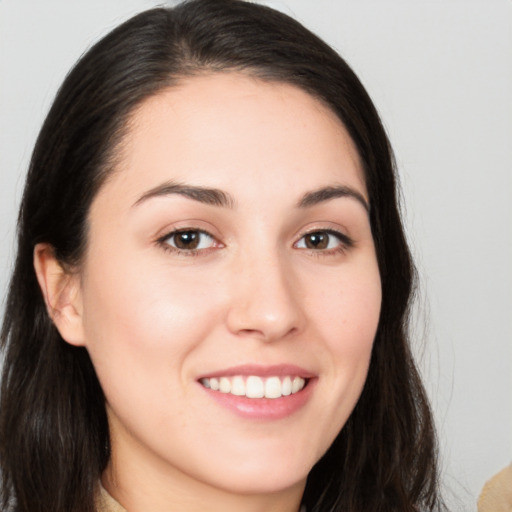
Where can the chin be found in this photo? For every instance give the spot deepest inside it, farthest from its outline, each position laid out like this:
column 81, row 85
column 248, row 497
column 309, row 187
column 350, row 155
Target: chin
column 268, row 481
column 259, row 475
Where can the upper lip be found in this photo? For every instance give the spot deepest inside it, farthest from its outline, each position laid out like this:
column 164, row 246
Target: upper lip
column 278, row 370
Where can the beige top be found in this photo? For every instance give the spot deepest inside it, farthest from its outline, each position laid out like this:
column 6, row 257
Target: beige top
column 105, row 502
column 496, row 495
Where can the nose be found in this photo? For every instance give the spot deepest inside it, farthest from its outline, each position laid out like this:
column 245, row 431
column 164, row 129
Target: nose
column 265, row 300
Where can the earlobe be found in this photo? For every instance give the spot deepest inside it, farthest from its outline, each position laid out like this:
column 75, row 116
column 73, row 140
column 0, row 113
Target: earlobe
column 61, row 292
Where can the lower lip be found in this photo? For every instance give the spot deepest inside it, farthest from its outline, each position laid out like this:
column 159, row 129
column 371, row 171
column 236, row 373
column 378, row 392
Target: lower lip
column 263, row 408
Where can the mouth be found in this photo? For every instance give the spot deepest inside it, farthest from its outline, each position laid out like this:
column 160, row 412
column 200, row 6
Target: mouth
column 261, row 392
column 254, row 386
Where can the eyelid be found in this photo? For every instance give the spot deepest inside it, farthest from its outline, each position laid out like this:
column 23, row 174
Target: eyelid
column 183, row 227
column 200, row 232
column 334, row 228
column 189, row 224
column 346, row 242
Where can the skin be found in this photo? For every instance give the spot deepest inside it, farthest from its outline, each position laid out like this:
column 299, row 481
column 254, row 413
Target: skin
column 155, row 320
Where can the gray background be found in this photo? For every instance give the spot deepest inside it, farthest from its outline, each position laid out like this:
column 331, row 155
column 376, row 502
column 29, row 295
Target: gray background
column 440, row 73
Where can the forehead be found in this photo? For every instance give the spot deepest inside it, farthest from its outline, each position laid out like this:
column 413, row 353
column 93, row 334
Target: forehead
column 230, row 129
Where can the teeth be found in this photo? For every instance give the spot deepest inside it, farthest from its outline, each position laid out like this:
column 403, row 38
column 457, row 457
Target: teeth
column 238, row 386
column 224, row 385
column 297, row 384
column 273, row 388
column 287, row 386
column 256, row 387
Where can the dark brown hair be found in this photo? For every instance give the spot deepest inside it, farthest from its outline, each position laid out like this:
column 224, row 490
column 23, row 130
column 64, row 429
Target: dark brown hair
column 54, row 441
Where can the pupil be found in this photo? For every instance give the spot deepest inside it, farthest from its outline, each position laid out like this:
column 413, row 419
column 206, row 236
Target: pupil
column 187, row 240
column 317, row 241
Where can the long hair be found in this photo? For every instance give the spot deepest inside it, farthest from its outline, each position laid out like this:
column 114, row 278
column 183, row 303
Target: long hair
column 54, row 440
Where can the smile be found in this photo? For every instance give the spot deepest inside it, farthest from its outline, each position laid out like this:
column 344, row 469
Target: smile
column 253, row 386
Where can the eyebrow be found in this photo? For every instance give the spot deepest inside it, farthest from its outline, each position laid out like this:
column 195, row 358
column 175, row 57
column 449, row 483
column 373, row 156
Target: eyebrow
column 216, row 197
column 210, row 196
column 325, row 194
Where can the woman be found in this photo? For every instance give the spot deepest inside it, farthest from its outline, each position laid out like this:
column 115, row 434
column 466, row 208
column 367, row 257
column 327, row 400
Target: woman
column 210, row 299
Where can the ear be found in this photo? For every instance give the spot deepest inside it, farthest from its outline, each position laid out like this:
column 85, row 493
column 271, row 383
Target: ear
column 62, row 294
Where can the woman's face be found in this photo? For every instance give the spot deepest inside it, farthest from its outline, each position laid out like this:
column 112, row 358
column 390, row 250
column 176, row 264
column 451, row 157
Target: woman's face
column 230, row 248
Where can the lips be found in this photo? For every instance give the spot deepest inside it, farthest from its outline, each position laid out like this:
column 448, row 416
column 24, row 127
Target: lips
column 254, row 386
column 260, row 392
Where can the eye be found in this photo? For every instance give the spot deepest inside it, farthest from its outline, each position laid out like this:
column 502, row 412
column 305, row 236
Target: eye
column 188, row 240
column 324, row 240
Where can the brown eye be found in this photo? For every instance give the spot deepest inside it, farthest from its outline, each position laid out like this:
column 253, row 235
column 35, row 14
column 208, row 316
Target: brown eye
column 325, row 240
column 318, row 240
column 186, row 240
column 189, row 240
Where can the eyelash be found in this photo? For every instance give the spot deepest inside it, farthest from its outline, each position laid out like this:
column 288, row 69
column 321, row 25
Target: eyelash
column 164, row 242
column 345, row 242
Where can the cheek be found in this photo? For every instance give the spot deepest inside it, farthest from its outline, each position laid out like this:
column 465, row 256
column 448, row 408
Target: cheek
column 348, row 316
column 144, row 320
column 349, row 312
column 345, row 312
column 141, row 329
